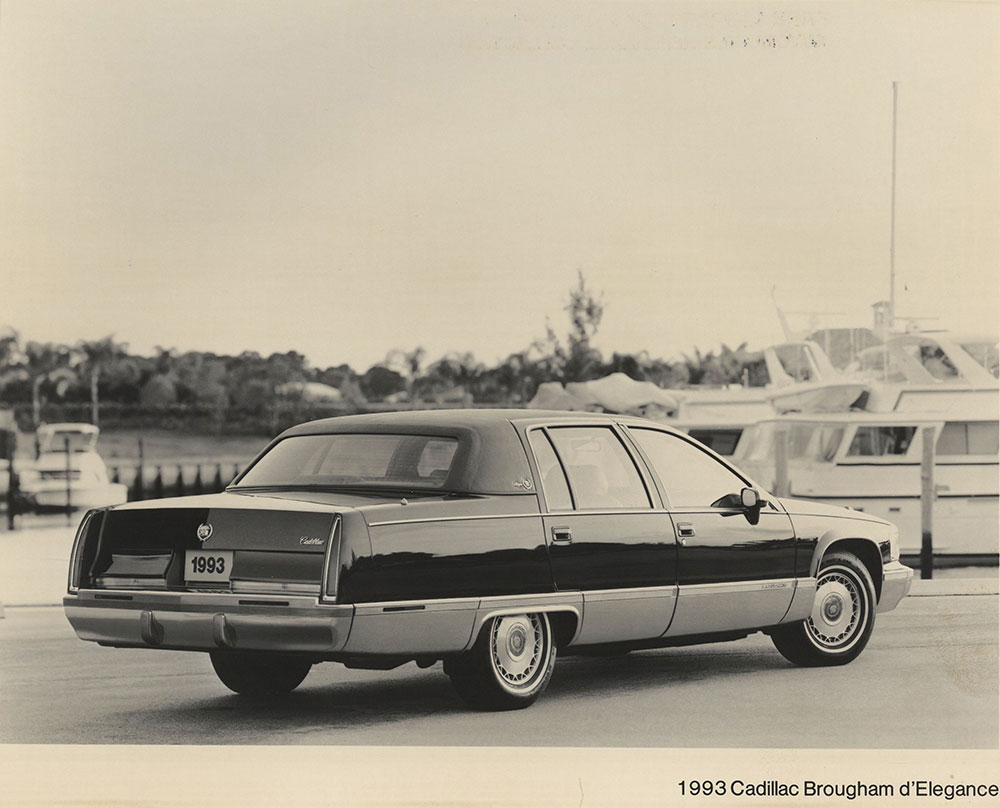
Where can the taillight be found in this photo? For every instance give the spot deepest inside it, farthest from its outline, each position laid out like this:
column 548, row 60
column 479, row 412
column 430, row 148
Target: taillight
column 328, row 587
column 86, row 538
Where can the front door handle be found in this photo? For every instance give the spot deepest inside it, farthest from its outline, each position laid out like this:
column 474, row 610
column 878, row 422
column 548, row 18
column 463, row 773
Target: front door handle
column 561, row 535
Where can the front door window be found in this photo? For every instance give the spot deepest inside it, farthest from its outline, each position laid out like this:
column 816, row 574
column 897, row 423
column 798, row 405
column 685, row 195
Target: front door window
column 691, row 477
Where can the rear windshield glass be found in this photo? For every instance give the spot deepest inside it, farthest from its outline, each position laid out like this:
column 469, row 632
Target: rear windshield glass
column 333, row 460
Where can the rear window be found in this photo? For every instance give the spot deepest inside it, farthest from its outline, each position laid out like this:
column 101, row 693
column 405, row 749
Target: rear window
column 422, row 461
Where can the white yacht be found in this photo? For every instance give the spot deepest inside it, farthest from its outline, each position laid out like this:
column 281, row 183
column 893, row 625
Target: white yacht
column 871, row 461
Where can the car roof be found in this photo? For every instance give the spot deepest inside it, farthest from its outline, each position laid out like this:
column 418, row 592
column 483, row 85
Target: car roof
column 469, row 418
column 492, row 457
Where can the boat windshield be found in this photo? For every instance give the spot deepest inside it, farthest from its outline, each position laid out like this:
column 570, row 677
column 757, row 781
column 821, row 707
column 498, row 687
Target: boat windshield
column 391, row 461
column 985, row 353
column 933, row 358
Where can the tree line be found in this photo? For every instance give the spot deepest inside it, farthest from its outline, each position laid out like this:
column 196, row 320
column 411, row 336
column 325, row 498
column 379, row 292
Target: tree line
column 96, row 372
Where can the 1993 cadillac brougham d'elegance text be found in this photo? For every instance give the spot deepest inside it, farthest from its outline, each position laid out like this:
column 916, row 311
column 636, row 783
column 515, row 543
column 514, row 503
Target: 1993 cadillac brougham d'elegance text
column 488, row 539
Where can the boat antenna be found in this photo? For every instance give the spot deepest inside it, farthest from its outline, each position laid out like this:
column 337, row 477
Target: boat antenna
column 781, row 317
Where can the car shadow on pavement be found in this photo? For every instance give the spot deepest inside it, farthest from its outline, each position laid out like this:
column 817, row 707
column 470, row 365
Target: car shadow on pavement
column 319, row 707
column 593, row 676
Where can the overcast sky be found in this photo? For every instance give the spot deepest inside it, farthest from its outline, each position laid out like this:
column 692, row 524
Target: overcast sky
column 347, row 178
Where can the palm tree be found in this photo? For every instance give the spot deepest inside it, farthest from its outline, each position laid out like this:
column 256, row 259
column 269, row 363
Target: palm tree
column 46, row 362
column 11, row 356
column 97, row 355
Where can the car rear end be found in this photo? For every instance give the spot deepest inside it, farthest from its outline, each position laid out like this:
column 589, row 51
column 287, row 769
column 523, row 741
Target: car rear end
column 203, row 573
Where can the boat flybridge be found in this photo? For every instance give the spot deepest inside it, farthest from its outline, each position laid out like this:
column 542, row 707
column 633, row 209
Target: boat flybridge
column 929, row 371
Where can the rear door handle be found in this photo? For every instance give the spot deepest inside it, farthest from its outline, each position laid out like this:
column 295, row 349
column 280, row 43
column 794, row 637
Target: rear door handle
column 561, row 535
column 685, row 530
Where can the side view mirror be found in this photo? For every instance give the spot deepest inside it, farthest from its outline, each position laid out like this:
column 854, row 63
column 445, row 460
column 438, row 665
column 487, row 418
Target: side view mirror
column 750, row 499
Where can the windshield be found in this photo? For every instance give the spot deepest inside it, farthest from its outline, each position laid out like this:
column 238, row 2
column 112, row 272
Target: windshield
column 392, row 461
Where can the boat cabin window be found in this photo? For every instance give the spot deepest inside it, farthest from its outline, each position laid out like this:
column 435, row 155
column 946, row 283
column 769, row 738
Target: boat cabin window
column 969, row 438
column 721, row 441
column 881, row 441
column 816, row 442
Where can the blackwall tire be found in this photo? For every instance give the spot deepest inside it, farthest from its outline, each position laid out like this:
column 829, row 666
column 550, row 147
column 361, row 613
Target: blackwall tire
column 510, row 665
column 252, row 674
column 842, row 618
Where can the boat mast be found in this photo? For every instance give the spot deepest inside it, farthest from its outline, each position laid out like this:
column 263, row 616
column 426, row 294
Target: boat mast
column 892, row 219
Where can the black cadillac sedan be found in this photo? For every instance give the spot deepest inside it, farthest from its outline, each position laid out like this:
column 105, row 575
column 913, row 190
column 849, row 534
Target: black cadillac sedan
column 489, row 540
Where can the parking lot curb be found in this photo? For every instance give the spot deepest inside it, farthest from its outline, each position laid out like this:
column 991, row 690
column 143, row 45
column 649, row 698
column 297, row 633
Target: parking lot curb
column 954, row 586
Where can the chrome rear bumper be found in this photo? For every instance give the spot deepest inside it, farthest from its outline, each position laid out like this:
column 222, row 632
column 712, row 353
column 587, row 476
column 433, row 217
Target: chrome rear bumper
column 896, row 582
column 207, row 621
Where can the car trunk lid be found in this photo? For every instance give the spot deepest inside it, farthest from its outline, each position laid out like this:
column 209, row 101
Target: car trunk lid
column 247, row 549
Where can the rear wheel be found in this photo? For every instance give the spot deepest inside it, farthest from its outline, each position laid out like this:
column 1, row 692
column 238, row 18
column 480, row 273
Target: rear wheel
column 251, row 674
column 842, row 617
column 509, row 666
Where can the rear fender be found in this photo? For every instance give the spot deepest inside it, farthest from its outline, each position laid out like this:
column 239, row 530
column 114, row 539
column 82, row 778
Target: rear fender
column 564, row 611
column 350, row 572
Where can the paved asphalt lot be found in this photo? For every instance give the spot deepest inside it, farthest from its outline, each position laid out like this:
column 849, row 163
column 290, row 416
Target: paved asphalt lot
column 927, row 680
column 931, row 666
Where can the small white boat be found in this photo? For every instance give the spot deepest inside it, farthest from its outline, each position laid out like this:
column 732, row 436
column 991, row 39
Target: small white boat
column 68, row 471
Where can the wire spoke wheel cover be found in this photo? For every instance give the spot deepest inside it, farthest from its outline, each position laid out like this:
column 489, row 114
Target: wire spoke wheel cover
column 509, row 666
column 840, row 610
column 517, row 648
column 841, row 619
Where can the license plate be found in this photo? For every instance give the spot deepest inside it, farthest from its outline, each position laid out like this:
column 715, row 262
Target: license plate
column 208, row 565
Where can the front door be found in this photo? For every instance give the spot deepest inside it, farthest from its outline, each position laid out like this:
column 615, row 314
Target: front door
column 735, row 569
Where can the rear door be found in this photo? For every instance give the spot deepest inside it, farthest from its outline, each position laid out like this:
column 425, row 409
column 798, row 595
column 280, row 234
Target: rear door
column 732, row 572
column 606, row 534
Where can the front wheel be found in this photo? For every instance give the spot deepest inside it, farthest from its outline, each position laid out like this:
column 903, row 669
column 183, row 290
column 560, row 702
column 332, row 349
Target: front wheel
column 509, row 666
column 842, row 617
column 256, row 674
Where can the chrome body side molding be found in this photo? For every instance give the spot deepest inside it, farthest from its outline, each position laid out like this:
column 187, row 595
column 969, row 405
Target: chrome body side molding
column 709, row 608
column 291, row 622
column 620, row 615
column 802, row 600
